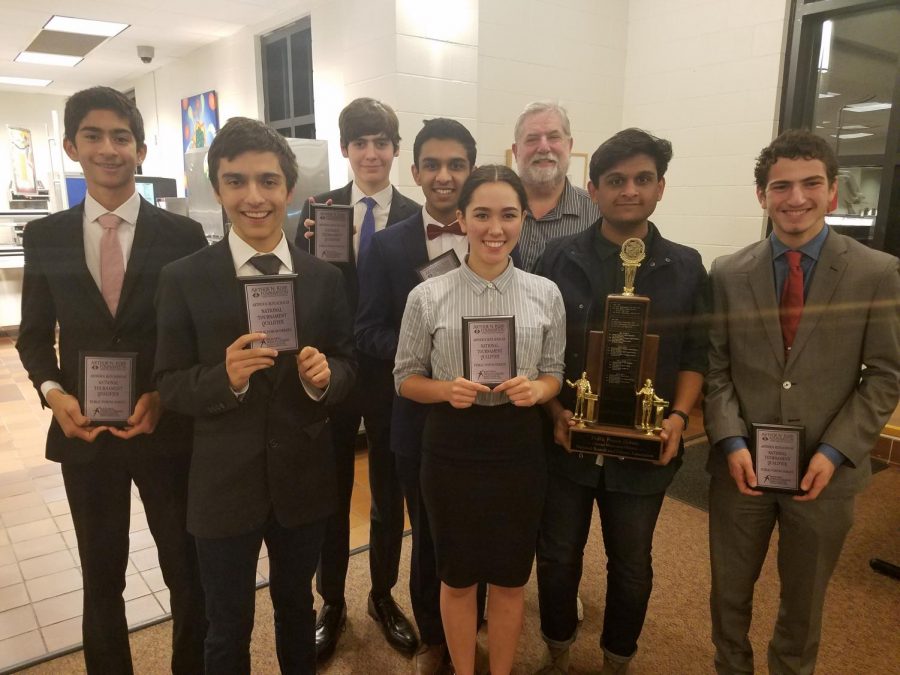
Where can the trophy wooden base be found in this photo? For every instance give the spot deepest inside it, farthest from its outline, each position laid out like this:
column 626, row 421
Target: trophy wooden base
column 622, row 442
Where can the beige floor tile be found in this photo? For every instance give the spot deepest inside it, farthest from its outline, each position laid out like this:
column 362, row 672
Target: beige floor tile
column 7, row 555
column 138, row 522
column 27, row 515
column 154, row 579
column 140, row 540
column 31, row 548
column 17, row 488
column 21, row 648
column 59, row 508
column 59, row 608
column 51, row 585
column 141, row 610
column 10, row 574
column 17, row 621
column 145, row 559
column 162, row 597
column 32, row 530
column 18, row 502
column 54, row 494
column 135, row 587
column 262, row 567
column 63, row 634
column 47, row 564
column 13, row 596
column 64, row 522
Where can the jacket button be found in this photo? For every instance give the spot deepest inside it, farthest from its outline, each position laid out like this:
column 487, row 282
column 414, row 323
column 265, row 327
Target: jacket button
column 786, row 385
column 580, row 306
column 273, row 444
column 575, row 355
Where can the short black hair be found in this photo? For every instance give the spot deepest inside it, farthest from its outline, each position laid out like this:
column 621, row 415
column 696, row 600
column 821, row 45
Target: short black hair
column 102, row 98
column 491, row 173
column 364, row 116
column 795, row 144
column 444, row 129
column 627, row 144
column 242, row 134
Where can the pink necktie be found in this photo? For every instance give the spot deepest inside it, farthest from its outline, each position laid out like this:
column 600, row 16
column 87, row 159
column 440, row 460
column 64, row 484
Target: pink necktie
column 112, row 262
column 791, row 298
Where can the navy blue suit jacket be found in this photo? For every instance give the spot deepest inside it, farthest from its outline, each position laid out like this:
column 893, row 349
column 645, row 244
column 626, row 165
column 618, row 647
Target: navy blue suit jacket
column 386, row 276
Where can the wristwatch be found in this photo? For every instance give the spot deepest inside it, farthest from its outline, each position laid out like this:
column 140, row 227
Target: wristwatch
column 682, row 415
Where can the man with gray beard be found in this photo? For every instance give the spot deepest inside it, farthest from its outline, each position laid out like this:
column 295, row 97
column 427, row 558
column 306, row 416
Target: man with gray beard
column 556, row 208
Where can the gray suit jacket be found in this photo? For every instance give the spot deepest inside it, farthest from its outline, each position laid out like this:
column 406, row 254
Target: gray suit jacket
column 851, row 319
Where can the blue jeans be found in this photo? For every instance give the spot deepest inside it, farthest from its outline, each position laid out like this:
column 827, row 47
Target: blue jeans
column 628, row 521
column 228, row 572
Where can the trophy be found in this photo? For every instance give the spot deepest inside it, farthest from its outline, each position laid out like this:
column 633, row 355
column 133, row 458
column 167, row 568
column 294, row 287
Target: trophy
column 617, row 411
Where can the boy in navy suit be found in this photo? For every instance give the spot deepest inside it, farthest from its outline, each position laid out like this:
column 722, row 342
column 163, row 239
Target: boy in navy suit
column 444, row 156
column 93, row 270
column 370, row 140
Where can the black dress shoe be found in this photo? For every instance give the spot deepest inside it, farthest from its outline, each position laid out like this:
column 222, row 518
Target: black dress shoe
column 396, row 627
column 329, row 625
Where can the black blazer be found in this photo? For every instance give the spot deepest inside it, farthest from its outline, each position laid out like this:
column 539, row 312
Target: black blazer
column 58, row 288
column 271, row 451
column 402, row 207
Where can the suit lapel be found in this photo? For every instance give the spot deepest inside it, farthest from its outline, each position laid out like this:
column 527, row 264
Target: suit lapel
column 145, row 234
column 828, row 272
column 224, row 288
column 414, row 243
column 761, row 278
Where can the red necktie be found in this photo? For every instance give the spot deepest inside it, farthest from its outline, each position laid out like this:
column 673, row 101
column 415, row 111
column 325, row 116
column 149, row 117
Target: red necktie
column 112, row 262
column 434, row 231
column 791, row 298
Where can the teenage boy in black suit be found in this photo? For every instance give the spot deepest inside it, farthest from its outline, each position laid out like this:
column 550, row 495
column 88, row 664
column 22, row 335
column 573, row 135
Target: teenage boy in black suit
column 93, row 270
column 370, row 139
column 443, row 156
column 263, row 466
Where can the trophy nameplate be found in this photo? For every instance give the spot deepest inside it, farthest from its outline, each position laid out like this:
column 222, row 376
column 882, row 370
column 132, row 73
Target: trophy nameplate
column 106, row 386
column 776, row 450
column 626, row 417
column 333, row 240
column 489, row 349
column 444, row 263
column 269, row 303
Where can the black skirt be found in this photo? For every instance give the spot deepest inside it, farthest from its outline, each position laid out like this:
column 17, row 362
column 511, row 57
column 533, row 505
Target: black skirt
column 484, row 476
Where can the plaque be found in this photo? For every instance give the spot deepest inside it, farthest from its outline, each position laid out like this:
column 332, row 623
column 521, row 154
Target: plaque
column 269, row 301
column 444, row 263
column 106, row 386
column 333, row 240
column 776, row 450
column 489, row 349
column 619, row 412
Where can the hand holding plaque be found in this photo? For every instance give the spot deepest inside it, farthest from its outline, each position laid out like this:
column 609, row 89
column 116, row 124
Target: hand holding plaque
column 333, row 235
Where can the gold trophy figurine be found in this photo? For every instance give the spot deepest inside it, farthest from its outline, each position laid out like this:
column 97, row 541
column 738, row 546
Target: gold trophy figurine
column 648, row 398
column 631, row 255
column 582, row 387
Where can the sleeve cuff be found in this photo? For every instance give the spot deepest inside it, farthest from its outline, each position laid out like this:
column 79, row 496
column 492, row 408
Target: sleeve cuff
column 50, row 385
column 314, row 393
column 732, row 444
column 833, row 454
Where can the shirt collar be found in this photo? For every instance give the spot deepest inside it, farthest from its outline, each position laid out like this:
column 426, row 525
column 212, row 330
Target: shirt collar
column 428, row 220
column 605, row 248
column 127, row 211
column 382, row 197
column 241, row 251
column 812, row 248
column 566, row 206
column 479, row 285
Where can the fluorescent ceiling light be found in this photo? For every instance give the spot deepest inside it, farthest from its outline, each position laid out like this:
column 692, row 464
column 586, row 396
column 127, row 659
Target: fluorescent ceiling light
column 825, row 49
column 48, row 59
column 24, row 81
column 67, row 24
column 867, row 107
column 850, row 137
column 828, row 94
column 854, row 126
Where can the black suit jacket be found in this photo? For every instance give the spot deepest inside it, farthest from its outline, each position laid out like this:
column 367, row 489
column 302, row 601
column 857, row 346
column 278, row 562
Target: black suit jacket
column 271, row 451
column 58, row 288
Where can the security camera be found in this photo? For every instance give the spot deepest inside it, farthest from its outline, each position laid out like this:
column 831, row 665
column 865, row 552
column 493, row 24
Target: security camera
column 145, row 53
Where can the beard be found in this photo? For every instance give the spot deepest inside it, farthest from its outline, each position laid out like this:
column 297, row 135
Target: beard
column 544, row 176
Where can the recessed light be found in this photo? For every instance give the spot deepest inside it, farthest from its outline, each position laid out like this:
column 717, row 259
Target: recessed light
column 68, row 24
column 48, row 59
column 24, row 81
column 828, row 94
column 852, row 127
column 850, row 137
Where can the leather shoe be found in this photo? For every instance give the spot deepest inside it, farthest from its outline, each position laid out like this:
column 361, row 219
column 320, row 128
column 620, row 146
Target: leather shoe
column 396, row 627
column 330, row 623
column 432, row 660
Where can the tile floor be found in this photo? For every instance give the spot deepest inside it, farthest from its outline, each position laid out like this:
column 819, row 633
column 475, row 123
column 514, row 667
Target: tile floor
column 40, row 576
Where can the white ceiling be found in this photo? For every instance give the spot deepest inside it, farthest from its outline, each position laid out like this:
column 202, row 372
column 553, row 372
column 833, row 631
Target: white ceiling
column 173, row 27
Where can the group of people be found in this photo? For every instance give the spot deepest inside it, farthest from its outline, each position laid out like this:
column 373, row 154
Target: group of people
column 232, row 443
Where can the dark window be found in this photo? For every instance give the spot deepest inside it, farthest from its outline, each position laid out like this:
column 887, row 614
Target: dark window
column 288, row 80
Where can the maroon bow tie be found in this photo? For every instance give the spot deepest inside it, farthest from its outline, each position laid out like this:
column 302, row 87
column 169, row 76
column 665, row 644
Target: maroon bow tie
column 434, row 231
